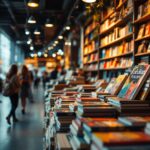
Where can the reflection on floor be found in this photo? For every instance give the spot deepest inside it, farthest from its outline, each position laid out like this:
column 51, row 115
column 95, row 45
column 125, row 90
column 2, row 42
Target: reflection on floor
column 27, row 134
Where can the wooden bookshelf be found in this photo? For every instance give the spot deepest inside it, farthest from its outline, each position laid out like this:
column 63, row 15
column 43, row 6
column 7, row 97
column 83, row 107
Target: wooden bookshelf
column 96, row 28
column 91, row 62
column 120, row 6
column 142, row 38
column 121, row 55
column 117, row 40
column 119, row 68
column 89, row 53
column 142, row 54
column 142, row 19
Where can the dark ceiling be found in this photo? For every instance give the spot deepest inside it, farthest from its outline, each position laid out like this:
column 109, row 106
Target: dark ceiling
column 14, row 15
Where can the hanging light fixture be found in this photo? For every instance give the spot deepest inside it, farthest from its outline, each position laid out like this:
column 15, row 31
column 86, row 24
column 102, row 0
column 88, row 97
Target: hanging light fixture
column 31, row 20
column 60, row 37
column 48, row 23
column 27, row 32
column 33, row 3
column 67, row 28
column 37, row 32
column 89, row 1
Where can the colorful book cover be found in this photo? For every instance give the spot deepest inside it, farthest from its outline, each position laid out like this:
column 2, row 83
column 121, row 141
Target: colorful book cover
column 135, row 81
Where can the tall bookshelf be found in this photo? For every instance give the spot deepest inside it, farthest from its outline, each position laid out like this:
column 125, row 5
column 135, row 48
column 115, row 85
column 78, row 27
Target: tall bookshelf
column 91, row 47
column 119, row 37
column 142, row 31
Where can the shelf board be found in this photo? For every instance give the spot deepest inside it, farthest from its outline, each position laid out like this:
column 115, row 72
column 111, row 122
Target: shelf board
column 107, row 17
column 91, row 62
column 117, row 40
column 91, row 70
column 118, row 23
column 129, row 53
column 142, row 54
column 142, row 19
column 90, row 32
column 119, row 7
column 90, row 41
column 96, row 50
column 142, row 38
column 119, row 68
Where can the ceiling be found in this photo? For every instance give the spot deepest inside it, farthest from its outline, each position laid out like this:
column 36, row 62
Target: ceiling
column 14, row 15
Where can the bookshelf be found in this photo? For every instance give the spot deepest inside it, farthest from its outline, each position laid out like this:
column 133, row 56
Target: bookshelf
column 121, row 37
column 91, row 46
column 142, row 31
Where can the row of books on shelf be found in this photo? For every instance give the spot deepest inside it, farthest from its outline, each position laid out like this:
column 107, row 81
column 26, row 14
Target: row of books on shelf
column 118, row 33
column 90, row 27
column 117, row 16
column 91, row 47
column 91, row 67
column 117, row 63
column 91, row 37
column 143, row 9
column 91, row 58
column 124, row 48
column 144, row 30
column 144, row 47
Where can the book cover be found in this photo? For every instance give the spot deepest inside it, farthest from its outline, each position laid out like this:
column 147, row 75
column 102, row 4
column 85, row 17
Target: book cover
column 135, row 81
column 120, row 138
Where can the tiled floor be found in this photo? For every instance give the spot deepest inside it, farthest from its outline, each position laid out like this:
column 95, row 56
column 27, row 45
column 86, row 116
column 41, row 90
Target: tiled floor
column 27, row 134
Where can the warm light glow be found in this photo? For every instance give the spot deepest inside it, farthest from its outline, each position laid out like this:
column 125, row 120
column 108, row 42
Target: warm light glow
column 31, row 48
column 37, row 32
column 49, row 25
column 27, row 32
column 45, row 55
column 89, row 1
column 31, row 20
column 54, row 55
column 60, row 37
column 56, row 42
column 39, row 54
column 32, row 55
column 67, row 27
column 32, row 4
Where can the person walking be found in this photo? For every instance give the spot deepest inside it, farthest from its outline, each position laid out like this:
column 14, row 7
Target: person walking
column 25, row 86
column 12, row 79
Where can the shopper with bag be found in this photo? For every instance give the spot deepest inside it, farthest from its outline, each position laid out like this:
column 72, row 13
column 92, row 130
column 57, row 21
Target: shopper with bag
column 11, row 89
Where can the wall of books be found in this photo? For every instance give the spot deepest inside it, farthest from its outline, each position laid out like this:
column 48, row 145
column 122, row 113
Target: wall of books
column 121, row 39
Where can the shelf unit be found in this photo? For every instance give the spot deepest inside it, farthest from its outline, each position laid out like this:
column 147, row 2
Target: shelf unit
column 124, row 14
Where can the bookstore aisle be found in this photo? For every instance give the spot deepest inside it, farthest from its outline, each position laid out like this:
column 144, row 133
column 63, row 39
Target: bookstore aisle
column 27, row 134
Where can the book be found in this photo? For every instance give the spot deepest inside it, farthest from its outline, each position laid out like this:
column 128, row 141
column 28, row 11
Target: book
column 141, row 121
column 141, row 31
column 62, row 142
column 120, row 138
column 135, row 81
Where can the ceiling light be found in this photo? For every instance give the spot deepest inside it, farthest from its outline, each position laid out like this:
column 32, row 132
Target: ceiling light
column 32, row 55
column 67, row 27
column 37, row 32
column 48, row 23
column 27, row 32
column 29, row 41
column 89, row 1
column 33, row 3
column 45, row 55
column 31, row 48
column 60, row 37
column 35, row 55
column 39, row 54
column 54, row 55
column 31, row 20
column 56, row 42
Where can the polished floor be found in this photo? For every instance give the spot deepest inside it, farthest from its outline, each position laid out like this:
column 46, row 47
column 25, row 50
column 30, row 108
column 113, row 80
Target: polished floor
column 27, row 134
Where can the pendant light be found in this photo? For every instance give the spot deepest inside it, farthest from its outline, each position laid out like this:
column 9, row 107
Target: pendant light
column 31, row 20
column 48, row 23
column 89, row 1
column 37, row 32
column 33, row 3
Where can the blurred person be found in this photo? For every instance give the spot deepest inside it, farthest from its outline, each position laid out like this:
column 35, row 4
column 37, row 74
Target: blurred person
column 12, row 79
column 45, row 78
column 36, row 79
column 25, row 86
column 31, row 77
column 54, row 74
